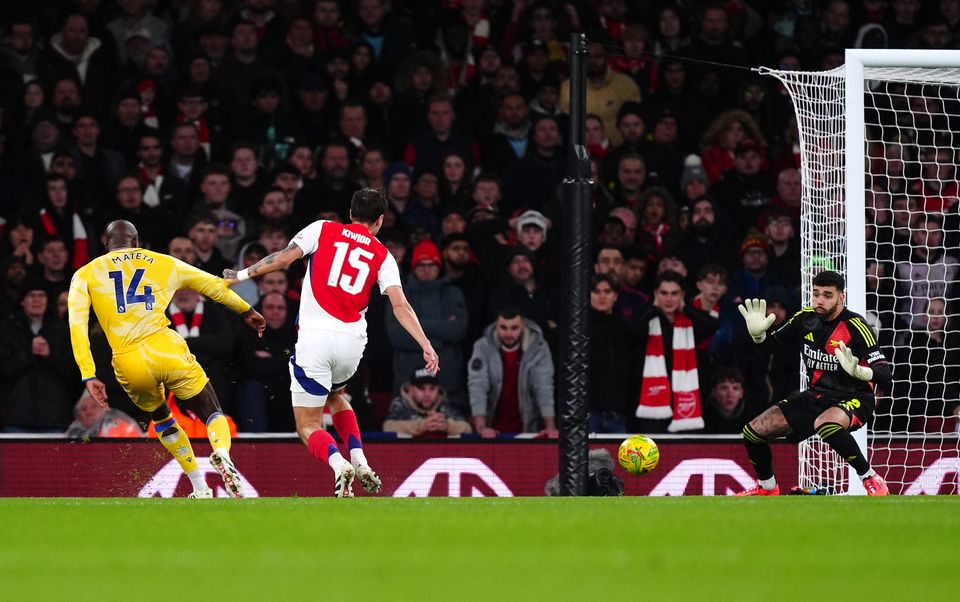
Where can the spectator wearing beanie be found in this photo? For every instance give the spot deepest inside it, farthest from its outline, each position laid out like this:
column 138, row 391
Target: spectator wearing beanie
column 784, row 246
column 752, row 279
column 421, row 409
column 532, row 228
column 694, row 182
column 464, row 271
column 442, row 311
column 398, row 179
column 523, row 290
column 632, row 127
column 664, row 151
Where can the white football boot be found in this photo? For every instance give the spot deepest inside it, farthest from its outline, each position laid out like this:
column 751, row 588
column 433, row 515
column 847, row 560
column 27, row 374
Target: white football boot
column 199, row 494
column 343, row 480
column 368, row 478
column 231, row 478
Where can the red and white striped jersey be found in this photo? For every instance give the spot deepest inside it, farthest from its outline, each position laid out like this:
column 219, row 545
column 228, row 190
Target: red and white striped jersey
column 345, row 260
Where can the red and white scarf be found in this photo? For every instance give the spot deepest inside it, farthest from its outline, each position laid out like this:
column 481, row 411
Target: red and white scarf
column 180, row 322
column 462, row 70
column 657, row 232
column 149, row 116
column 713, row 311
column 80, row 252
column 151, row 186
column 676, row 397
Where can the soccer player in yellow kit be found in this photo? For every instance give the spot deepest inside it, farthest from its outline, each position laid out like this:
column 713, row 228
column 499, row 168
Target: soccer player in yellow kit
column 130, row 289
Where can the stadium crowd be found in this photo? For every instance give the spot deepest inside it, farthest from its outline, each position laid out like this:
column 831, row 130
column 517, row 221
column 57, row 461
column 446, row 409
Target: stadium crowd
column 220, row 128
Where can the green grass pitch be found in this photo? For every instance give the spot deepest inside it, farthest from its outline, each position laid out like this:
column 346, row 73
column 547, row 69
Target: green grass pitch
column 623, row 549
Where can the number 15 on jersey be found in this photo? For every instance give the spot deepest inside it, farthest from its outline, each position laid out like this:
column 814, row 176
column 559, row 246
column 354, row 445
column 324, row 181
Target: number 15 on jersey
column 358, row 258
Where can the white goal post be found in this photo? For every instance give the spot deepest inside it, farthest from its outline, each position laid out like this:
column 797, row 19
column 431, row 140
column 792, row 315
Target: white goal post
column 896, row 104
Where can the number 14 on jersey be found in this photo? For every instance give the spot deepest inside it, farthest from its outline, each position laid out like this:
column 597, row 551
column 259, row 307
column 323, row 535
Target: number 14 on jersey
column 125, row 299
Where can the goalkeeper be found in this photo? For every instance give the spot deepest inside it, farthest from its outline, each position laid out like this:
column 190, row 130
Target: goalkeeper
column 842, row 360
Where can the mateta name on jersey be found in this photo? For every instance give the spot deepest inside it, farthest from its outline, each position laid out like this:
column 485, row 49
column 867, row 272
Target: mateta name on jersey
column 131, row 257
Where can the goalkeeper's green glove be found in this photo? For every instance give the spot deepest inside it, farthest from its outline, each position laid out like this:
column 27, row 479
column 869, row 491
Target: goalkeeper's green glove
column 754, row 312
column 851, row 363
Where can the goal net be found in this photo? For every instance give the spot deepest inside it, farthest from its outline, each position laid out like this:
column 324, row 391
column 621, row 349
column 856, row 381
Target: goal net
column 879, row 141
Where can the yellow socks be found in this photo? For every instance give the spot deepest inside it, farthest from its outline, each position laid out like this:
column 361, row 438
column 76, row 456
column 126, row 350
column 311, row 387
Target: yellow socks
column 218, row 431
column 177, row 443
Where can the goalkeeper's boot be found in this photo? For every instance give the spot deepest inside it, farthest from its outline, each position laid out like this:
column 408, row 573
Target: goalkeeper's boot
column 368, row 478
column 199, row 494
column 758, row 490
column 875, row 485
column 231, row 478
column 343, row 480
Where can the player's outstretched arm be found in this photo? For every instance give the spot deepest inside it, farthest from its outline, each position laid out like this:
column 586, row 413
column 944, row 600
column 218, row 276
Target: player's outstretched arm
column 78, row 315
column 754, row 312
column 217, row 289
column 271, row 263
column 408, row 319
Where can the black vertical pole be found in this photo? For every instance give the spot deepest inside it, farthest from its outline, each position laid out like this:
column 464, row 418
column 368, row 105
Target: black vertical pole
column 575, row 339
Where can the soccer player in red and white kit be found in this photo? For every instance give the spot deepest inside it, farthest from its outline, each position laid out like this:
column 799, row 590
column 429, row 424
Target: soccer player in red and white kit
column 346, row 261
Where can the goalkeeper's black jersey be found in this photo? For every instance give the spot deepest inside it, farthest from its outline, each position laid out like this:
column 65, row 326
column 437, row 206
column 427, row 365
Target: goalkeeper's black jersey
column 820, row 341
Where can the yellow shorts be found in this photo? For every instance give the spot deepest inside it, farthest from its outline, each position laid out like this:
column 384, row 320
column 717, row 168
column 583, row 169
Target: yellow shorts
column 160, row 360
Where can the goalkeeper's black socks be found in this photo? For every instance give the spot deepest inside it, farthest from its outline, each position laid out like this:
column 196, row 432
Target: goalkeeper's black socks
column 758, row 450
column 844, row 444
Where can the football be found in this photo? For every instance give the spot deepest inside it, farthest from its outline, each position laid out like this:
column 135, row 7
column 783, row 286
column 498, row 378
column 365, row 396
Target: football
column 638, row 454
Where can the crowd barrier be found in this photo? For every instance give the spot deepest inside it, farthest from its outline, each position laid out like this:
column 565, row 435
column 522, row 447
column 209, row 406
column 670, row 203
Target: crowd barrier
column 447, row 467
column 283, row 467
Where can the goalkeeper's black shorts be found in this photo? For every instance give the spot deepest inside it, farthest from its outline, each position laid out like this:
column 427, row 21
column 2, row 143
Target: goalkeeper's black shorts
column 801, row 410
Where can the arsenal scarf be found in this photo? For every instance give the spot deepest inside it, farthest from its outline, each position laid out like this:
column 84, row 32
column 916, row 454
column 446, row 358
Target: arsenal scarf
column 713, row 311
column 180, row 321
column 462, row 70
column 80, row 252
column 657, row 232
column 150, row 118
column 151, row 186
column 677, row 396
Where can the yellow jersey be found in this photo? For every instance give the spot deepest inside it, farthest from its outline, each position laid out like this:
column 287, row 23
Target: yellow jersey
column 130, row 290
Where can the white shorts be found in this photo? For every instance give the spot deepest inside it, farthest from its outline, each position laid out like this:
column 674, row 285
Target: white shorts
column 323, row 362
